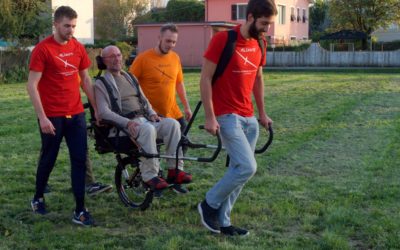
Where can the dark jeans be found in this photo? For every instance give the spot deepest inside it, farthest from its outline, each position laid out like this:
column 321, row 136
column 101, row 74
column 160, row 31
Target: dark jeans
column 74, row 131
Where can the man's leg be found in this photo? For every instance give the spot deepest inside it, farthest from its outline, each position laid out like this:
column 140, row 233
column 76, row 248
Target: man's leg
column 76, row 138
column 93, row 187
column 147, row 140
column 168, row 130
column 242, row 165
column 47, row 158
column 89, row 176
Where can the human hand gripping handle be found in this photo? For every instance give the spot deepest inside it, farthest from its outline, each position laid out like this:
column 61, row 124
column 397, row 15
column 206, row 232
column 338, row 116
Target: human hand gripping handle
column 265, row 121
column 211, row 126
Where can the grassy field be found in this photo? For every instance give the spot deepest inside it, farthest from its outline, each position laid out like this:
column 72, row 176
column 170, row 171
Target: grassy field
column 331, row 179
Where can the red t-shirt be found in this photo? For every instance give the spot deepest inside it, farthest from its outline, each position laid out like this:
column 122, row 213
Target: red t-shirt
column 59, row 87
column 231, row 92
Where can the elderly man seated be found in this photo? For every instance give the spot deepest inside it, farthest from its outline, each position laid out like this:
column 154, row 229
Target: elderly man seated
column 134, row 112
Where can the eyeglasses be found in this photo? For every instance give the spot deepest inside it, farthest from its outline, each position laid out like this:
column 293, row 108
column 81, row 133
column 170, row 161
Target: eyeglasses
column 113, row 56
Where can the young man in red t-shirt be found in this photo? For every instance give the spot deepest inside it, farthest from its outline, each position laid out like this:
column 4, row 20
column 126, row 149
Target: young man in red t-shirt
column 229, row 109
column 58, row 67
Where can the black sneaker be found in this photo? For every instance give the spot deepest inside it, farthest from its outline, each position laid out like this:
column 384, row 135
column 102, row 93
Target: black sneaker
column 96, row 188
column 232, row 231
column 83, row 218
column 38, row 206
column 208, row 217
column 179, row 189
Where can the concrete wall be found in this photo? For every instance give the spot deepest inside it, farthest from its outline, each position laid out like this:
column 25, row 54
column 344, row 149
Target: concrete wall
column 84, row 31
column 319, row 57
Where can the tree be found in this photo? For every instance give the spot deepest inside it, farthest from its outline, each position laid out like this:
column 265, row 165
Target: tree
column 364, row 15
column 180, row 11
column 114, row 18
column 319, row 19
column 23, row 21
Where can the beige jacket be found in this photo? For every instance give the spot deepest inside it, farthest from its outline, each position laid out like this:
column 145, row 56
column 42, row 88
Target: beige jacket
column 104, row 104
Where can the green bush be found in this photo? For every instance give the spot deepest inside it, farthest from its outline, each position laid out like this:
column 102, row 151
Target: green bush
column 14, row 75
column 14, row 63
column 125, row 49
column 296, row 48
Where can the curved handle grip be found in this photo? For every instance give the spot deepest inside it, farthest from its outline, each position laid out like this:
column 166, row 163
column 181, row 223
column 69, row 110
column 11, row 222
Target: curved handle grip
column 268, row 143
column 216, row 151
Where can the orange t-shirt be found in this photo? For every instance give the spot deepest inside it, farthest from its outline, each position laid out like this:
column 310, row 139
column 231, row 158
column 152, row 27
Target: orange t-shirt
column 158, row 76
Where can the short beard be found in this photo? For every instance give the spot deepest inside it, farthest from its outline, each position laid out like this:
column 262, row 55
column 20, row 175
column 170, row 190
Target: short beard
column 253, row 32
column 161, row 50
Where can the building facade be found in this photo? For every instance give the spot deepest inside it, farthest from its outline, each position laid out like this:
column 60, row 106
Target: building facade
column 290, row 24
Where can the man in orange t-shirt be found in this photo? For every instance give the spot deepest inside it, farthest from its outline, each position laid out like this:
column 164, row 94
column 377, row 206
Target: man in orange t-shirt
column 160, row 76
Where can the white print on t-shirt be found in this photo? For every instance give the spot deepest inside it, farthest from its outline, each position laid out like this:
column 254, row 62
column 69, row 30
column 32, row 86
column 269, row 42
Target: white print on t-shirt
column 246, row 60
column 66, row 65
column 244, row 50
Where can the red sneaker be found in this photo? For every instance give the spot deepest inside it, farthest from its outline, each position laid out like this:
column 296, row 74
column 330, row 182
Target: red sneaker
column 178, row 176
column 157, row 183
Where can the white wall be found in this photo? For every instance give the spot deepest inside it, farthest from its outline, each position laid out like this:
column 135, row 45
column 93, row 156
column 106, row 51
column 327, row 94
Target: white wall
column 84, row 31
column 390, row 34
column 315, row 56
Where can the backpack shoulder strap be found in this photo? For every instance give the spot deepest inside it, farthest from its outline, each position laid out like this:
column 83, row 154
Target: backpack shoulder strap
column 142, row 101
column 114, row 105
column 226, row 55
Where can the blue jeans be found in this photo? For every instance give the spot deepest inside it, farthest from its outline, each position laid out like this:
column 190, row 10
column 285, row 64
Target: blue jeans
column 239, row 136
column 74, row 131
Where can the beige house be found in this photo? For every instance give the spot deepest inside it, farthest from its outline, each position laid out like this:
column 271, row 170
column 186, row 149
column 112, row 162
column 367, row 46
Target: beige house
column 84, row 31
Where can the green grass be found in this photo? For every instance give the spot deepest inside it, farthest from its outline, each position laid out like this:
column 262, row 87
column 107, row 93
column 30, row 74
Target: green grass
column 331, row 179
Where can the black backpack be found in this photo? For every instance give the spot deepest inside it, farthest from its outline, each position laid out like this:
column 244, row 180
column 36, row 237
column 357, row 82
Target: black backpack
column 227, row 53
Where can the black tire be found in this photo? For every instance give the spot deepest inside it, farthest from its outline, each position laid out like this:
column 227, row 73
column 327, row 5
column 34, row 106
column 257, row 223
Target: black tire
column 130, row 187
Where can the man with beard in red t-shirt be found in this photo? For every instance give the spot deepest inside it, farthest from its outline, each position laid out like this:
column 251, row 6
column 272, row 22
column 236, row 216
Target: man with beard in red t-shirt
column 58, row 68
column 229, row 109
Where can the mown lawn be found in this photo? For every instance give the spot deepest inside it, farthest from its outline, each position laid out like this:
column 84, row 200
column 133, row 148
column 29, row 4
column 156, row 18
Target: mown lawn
column 331, row 179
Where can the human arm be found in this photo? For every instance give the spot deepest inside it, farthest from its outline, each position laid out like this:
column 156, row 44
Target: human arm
column 180, row 89
column 258, row 92
column 88, row 88
column 103, row 104
column 45, row 124
column 207, row 72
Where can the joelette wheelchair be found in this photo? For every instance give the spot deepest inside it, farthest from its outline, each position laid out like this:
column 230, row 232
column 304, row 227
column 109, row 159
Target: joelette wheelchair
column 131, row 189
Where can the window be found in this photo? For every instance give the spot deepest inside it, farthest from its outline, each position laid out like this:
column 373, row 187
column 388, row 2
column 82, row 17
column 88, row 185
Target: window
column 298, row 15
column 292, row 16
column 281, row 14
column 239, row 11
column 304, row 15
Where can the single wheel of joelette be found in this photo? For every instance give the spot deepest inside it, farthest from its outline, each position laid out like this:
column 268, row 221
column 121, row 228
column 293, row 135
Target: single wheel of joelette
column 130, row 187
